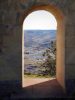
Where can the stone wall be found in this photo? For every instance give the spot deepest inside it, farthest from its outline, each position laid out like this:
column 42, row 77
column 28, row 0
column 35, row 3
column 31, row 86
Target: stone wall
column 11, row 12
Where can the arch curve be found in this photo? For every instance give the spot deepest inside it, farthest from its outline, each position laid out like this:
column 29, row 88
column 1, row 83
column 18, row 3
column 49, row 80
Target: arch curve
column 50, row 8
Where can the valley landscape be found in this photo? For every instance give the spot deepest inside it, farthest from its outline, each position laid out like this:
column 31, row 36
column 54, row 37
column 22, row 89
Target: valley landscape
column 36, row 42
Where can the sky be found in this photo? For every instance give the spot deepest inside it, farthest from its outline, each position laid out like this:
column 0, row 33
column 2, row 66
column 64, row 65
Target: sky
column 40, row 20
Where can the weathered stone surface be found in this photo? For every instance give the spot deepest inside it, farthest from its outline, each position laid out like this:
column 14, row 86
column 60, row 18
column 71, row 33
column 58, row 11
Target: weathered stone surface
column 70, row 71
column 71, row 18
column 70, row 55
column 70, row 36
column 11, row 15
column 70, row 87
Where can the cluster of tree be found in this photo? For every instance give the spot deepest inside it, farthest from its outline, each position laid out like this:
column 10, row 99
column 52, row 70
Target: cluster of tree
column 50, row 62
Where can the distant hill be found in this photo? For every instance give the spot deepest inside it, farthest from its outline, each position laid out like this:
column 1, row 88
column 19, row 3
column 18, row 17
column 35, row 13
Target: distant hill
column 39, row 38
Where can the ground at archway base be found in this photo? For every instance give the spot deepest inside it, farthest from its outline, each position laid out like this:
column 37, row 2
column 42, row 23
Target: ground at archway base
column 47, row 89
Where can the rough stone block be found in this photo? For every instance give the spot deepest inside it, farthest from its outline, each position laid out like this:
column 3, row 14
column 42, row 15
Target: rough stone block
column 70, row 36
column 70, row 41
column 70, row 86
column 70, row 71
column 70, row 55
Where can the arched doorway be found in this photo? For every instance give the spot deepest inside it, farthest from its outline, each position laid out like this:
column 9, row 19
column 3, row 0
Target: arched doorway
column 39, row 29
column 60, row 58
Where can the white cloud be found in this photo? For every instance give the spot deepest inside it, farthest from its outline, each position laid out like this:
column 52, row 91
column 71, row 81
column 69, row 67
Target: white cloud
column 40, row 19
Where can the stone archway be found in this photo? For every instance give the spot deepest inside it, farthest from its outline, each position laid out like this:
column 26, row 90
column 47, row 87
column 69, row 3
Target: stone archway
column 60, row 58
column 13, row 13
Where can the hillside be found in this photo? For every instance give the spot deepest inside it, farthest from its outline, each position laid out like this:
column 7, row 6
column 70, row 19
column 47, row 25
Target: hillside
column 38, row 38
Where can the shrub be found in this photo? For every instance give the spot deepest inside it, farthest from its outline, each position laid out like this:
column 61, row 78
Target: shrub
column 50, row 63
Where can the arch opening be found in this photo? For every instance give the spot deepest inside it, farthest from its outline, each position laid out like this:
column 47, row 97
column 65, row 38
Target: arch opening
column 60, row 68
column 39, row 30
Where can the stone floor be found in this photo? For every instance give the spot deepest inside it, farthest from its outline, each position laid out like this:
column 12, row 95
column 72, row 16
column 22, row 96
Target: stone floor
column 45, row 89
column 29, row 81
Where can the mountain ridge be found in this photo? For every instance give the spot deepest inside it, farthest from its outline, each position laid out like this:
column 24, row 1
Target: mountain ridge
column 38, row 37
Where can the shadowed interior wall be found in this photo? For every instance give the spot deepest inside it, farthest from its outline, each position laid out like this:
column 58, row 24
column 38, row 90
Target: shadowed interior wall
column 11, row 20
